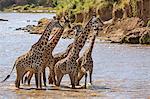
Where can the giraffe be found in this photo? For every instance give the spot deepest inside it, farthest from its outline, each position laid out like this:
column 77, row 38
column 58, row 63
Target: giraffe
column 58, row 56
column 85, row 62
column 68, row 65
column 47, row 53
column 34, row 59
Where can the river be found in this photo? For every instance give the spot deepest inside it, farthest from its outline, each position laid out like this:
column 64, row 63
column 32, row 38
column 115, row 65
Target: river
column 121, row 71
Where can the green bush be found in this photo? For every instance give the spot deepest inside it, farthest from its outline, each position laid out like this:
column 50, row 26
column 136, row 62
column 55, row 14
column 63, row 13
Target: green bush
column 78, row 6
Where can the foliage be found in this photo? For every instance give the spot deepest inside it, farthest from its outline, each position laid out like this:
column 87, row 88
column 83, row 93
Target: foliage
column 77, row 6
column 148, row 23
column 134, row 7
column 120, row 4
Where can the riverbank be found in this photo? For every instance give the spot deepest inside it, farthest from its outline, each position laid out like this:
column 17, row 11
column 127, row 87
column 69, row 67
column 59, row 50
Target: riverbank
column 126, row 21
column 29, row 9
column 128, row 30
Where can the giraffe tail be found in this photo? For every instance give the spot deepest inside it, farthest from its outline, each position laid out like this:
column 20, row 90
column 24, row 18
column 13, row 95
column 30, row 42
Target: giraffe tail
column 9, row 74
column 5, row 78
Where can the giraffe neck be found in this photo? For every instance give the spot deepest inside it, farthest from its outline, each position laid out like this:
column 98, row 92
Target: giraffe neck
column 54, row 40
column 79, row 43
column 46, row 34
column 90, row 49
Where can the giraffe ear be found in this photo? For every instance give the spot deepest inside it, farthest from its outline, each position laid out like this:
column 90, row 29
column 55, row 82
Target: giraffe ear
column 69, row 25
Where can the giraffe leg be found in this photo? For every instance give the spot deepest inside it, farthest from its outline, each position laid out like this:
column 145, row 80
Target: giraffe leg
column 36, row 80
column 53, row 76
column 85, row 80
column 17, row 82
column 23, row 81
column 29, row 77
column 44, row 77
column 20, row 74
column 59, row 76
column 50, row 80
column 90, row 73
column 81, row 74
column 39, row 80
column 26, row 77
column 72, row 78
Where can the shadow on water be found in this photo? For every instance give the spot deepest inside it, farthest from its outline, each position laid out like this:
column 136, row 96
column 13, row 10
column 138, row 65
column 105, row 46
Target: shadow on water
column 69, row 89
column 53, row 89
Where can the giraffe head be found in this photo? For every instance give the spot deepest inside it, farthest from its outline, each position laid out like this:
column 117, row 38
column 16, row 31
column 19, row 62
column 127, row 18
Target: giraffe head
column 77, row 29
column 64, row 21
column 97, row 24
column 61, row 22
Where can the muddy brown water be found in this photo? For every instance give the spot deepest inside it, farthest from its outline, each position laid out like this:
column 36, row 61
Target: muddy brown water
column 120, row 71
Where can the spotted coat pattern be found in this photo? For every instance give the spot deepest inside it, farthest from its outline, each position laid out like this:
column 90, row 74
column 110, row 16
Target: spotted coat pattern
column 68, row 65
column 34, row 59
column 85, row 62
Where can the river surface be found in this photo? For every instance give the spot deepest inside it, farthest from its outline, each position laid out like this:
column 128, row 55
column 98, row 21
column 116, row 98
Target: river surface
column 121, row 71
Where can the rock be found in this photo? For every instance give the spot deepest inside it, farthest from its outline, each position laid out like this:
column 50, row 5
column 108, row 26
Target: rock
column 79, row 18
column 146, row 10
column 28, row 20
column 145, row 38
column 5, row 3
column 3, row 20
column 128, row 30
column 27, row 28
column 105, row 13
column 132, row 37
column 39, row 29
column 117, row 14
column 136, row 36
column 117, row 37
column 18, row 28
column 43, row 21
column 20, row 2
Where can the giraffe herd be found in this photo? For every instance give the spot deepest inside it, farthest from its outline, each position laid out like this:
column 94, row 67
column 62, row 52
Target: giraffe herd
column 68, row 62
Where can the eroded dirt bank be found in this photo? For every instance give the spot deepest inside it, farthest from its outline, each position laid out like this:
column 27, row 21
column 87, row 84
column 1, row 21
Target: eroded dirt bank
column 126, row 30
